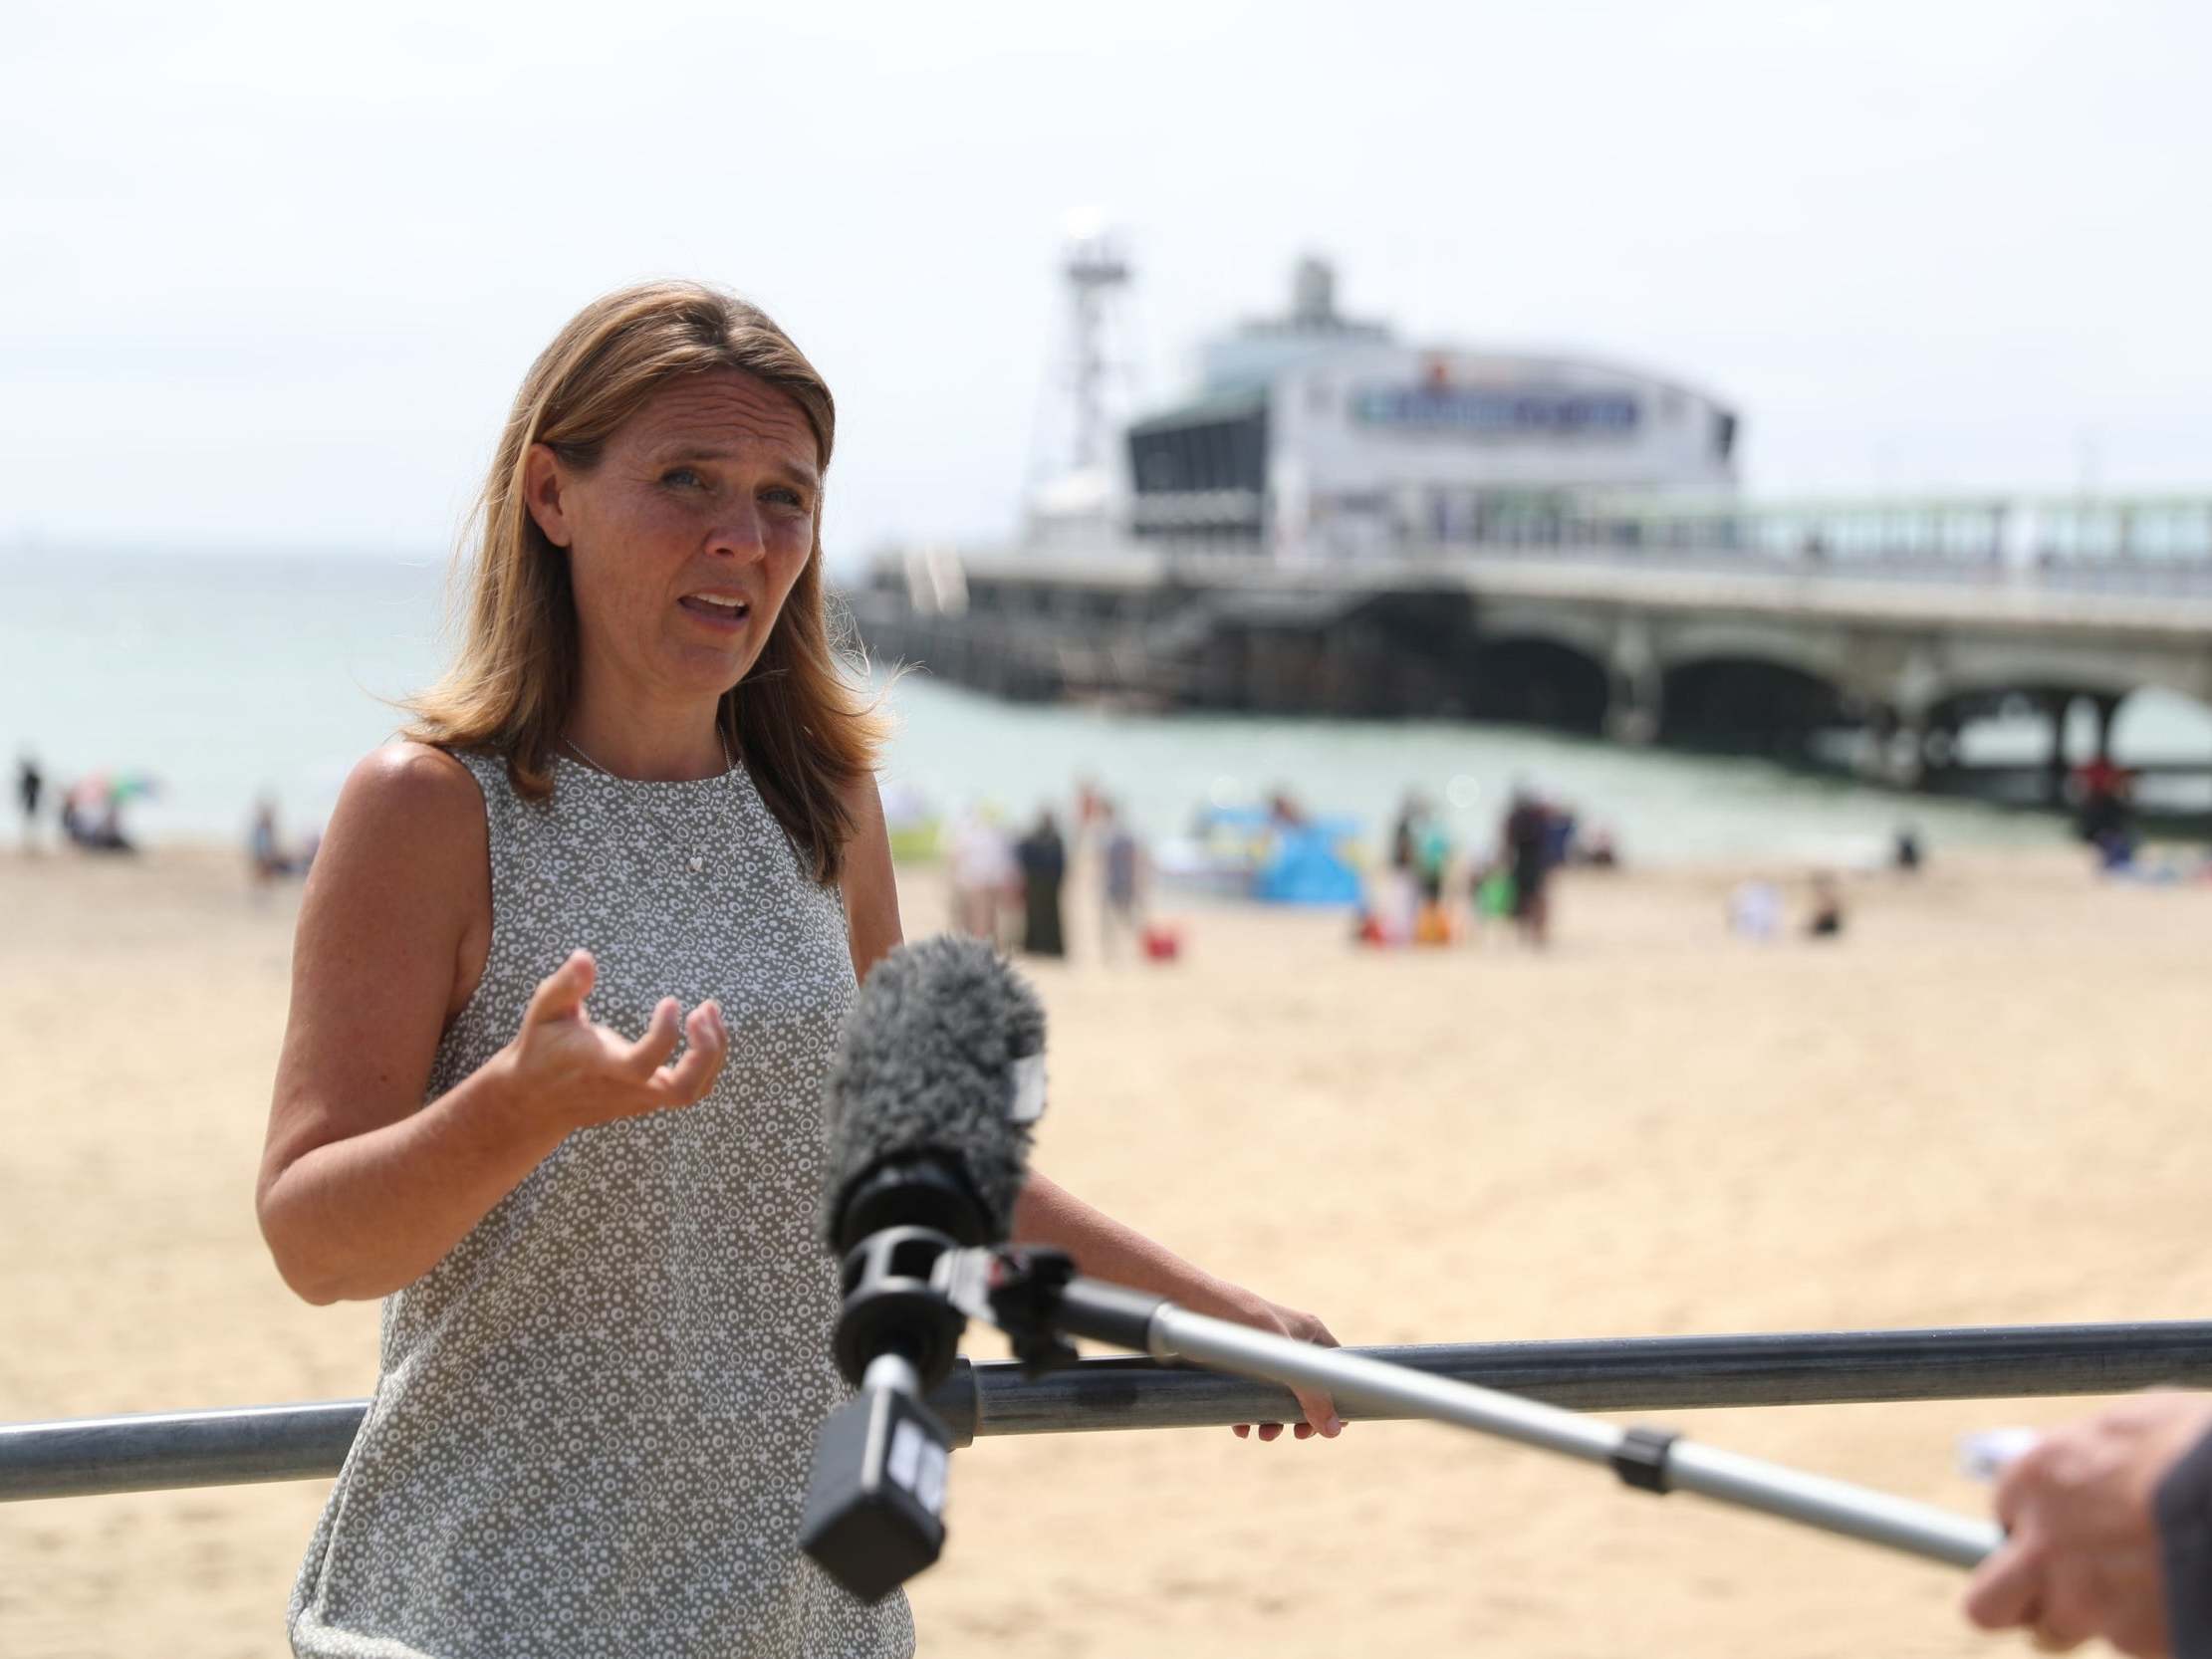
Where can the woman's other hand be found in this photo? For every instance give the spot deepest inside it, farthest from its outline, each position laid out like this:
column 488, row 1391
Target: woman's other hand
column 563, row 1065
column 1050, row 1215
column 1320, row 1409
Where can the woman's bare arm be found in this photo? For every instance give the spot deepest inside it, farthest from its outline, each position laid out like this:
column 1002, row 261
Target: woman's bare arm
column 869, row 885
column 1049, row 1214
column 363, row 1188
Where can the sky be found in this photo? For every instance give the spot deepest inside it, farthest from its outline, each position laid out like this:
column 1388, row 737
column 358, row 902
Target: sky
column 271, row 272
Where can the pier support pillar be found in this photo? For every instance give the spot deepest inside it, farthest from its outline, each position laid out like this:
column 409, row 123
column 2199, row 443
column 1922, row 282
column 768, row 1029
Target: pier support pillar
column 1894, row 748
column 2107, row 712
column 1633, row 712
column 1907, row 759
column 1632, row 707
column 2056, row 705
column 1939, row 747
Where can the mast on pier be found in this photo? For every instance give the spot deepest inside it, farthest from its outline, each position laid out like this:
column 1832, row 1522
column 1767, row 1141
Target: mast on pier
column 1075, row 498
column 1096, row 269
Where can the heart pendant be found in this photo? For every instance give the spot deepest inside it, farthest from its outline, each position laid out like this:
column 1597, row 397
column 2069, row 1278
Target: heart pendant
column 694, row 865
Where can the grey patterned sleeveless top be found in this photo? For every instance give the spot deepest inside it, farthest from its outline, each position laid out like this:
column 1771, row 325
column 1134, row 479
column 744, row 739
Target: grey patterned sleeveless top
column 594, row 1419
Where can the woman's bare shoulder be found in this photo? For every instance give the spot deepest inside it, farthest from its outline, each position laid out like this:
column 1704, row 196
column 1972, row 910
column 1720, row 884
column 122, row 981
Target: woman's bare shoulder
column 401, row 884
column 410, row 804
column 410, row 776
column 412, row 789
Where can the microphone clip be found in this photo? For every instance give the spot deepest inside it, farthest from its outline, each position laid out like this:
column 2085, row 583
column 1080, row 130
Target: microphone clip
column 1024, row 1289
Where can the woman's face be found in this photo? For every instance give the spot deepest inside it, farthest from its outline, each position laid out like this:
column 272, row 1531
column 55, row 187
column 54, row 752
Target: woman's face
column 685, row 538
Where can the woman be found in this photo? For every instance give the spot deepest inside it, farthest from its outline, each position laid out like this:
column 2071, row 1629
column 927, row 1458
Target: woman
column 606, row 1312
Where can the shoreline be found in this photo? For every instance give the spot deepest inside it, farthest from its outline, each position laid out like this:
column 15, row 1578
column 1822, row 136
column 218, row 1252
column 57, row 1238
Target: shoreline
column 208, row 850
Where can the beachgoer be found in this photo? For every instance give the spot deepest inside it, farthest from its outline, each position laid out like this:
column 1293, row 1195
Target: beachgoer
column 1826, row 920
column 1908, row 855
column 1042, row 857
column 983, row 873
column 1405, row 836
column 2115, row 849
column 30, row 785
column 1121, row 876
column 1091, row 809
column 2105, row 807
column 1561, row 844
column 1527, row 838
column 1432, row 857
column 91, row 818
column 264, row 851
column 645, row 786
column 1491, row 892
column 2109, row 1534
column 1755, row 910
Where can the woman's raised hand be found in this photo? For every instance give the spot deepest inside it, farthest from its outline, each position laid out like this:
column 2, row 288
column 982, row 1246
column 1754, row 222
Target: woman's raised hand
column 564, row 1066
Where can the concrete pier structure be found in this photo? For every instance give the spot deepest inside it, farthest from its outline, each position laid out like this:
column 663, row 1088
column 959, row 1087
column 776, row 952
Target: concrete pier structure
column 1685, row 632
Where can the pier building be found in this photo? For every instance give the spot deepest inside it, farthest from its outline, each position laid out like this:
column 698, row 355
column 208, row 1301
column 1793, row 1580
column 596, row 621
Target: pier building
column 1337, row 522
column 1314, row 436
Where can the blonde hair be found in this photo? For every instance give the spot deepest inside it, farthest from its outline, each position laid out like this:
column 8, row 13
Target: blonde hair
column 796, row 718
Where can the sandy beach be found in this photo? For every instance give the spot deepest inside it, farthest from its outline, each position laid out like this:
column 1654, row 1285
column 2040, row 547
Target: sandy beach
column 1983, row 1105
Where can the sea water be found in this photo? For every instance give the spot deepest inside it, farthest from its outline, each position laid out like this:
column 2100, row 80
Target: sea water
column 232, row 677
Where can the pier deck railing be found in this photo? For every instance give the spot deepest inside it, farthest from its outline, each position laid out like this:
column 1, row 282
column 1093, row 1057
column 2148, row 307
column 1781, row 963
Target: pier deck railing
column 2135, row 544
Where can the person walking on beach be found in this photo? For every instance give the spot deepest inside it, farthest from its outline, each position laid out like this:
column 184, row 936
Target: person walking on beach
column 30, row 786
column 1121, row 873
column 1528, row 840
column 568, row 977
column 983, row 873
column 1042, row 857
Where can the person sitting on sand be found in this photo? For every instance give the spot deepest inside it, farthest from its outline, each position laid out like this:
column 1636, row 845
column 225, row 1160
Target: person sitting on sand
column 266, row 858
column 569, row 978
column 94, row 831
column 1754, row 910
column 1826, row 920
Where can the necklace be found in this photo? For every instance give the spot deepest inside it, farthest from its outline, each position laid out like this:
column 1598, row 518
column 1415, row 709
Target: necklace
column 729, row 765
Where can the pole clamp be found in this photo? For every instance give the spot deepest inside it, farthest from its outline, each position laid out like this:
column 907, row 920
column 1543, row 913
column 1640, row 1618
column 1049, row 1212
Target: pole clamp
column 1640, row 1459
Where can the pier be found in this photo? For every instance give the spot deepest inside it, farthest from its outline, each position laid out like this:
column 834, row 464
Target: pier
column 1750, row 629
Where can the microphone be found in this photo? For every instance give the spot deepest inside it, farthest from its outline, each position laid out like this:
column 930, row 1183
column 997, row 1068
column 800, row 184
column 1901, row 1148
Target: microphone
column 939, row 1077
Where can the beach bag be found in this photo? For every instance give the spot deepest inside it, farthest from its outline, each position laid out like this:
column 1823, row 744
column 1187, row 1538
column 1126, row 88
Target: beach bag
column 1496, row 895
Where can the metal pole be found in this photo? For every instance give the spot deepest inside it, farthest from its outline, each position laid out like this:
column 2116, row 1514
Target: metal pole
column 1642, row 1373
column 164, row 1450
column 1656, row 1463
column 236, row 1446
